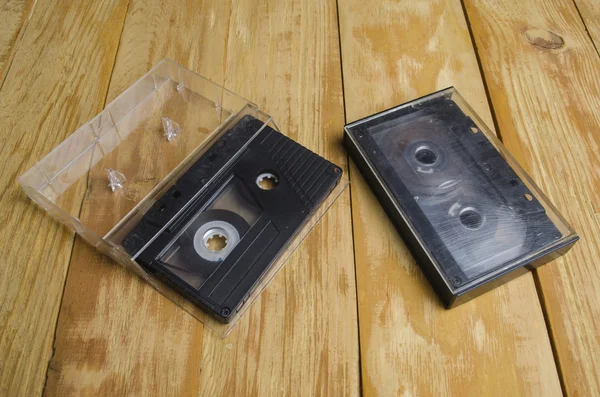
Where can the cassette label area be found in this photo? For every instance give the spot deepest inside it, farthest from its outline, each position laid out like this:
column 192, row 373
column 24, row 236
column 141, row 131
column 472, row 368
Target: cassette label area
column 215, row 233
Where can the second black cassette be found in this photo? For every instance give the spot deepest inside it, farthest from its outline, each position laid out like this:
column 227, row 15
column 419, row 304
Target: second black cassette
column 470, row 214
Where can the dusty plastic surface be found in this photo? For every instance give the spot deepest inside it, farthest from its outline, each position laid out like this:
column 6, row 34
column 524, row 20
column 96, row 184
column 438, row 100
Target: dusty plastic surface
column 106, row 176
column 455, row 192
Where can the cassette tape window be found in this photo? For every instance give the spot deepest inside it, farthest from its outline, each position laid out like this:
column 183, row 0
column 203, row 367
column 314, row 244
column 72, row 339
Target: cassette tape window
column 481, row 225
column 211, row 235
column 466, row 208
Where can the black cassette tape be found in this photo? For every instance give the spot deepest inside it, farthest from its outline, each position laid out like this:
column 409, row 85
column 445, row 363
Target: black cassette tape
column 468, row 212
column 217, row 230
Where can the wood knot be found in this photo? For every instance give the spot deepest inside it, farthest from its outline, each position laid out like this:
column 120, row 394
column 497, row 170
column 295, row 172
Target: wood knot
column 544, row 39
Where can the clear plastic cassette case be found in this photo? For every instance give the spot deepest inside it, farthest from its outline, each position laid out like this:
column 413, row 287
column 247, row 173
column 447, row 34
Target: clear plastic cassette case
column 190, row 186
column 468, row 211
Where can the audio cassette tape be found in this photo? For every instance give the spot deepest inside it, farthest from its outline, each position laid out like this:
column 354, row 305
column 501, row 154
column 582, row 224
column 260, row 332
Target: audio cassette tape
column 214, row 234
column 469, row 213
column 191, row 187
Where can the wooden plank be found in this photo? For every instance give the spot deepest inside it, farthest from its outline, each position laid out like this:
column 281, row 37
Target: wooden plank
column 14, row 15
column 496, row 344
column 115, row 334
column 541, row 70
column 58, row 80
column 590, row 13
column 303, row 337
column 118, row 336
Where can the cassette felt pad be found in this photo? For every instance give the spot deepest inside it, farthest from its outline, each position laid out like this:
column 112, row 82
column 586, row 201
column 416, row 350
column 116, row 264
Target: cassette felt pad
column 219, row 242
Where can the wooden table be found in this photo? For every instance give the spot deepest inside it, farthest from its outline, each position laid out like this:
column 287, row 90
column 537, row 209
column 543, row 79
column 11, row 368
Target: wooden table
column 351, row 313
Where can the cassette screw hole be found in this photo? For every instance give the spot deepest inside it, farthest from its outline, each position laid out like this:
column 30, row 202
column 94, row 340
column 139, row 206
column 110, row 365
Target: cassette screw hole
column 487, row 167
column 337, row 170
column 513, row 182
column 225, row 312
column 425, row 156
column 456, row 281
column 267, row 181
column 470, row 219
column 528, row 196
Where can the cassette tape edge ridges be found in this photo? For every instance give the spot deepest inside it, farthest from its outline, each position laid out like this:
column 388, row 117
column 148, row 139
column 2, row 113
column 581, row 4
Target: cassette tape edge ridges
column 296, row 164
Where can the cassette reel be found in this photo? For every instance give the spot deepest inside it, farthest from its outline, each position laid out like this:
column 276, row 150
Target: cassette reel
column 423, row 157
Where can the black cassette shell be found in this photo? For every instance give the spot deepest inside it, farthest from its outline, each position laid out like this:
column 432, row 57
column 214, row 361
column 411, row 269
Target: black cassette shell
column 304, row 181
column 462, row 209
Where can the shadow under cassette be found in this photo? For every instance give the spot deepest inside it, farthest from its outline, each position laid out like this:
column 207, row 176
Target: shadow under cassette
column 468, row 212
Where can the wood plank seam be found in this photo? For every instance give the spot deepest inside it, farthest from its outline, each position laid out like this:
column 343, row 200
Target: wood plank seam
column 360, row 374
column 538, row 288
column 75, row 236
column 223, row 82
column 480, row 66
column 552, row 336
column 16, row 44
column 586, row 28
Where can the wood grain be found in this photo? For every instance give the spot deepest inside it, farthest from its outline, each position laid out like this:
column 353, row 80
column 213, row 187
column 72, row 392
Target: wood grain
column 14, row 15
column 118, row 336
column 590, row 13
column 58, row 80
column 115, row 334
column 496, row 344
column 302, row 339
column 546, row 98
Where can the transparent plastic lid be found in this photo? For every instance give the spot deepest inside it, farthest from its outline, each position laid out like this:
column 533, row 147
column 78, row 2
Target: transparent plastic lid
column 144, row 171
column 127, row 151
column 471, row 206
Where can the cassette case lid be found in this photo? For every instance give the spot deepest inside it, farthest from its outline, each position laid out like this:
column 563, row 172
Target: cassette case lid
column 127, row 155
column 130, row 178
column 468, row 207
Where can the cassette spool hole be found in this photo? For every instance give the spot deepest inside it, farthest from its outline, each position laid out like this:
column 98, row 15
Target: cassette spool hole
column 425, row 155
column 267, row 181
column 470, row 218
column 215, row 239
